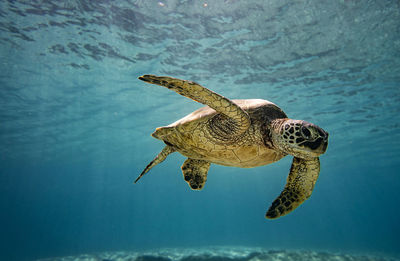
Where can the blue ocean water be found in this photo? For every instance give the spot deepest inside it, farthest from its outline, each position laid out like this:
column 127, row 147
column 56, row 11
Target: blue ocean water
column 75, row 123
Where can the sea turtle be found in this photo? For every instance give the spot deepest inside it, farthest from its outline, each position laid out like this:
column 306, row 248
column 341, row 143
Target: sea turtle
column 240, row 133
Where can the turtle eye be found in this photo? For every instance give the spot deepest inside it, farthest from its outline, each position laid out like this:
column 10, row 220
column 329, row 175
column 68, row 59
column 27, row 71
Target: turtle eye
column 306, row 133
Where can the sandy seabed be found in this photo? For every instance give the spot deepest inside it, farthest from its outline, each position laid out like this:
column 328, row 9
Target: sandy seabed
column 218, row 254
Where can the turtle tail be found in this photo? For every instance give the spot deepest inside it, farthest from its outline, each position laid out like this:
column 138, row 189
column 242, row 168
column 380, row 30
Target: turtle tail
column 158, row 159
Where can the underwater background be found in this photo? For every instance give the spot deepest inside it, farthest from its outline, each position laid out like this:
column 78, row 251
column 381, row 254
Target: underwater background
column 75, row 124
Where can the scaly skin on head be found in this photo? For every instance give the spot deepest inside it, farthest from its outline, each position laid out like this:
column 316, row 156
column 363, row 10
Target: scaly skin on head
column 298, row 138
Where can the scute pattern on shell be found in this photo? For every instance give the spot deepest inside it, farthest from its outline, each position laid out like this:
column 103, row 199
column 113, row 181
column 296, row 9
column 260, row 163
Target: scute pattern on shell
column 205, row 134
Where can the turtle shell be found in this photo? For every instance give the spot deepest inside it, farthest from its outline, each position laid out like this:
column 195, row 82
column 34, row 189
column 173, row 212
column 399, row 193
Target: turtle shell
column 195, row 135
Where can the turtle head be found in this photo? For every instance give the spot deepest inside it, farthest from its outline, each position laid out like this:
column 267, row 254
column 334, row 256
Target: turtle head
column 301, row 139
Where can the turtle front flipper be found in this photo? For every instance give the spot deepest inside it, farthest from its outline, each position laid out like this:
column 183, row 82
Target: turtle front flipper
column 205, row 96
column 299, row 186
column 195, row 173
column 157, row 160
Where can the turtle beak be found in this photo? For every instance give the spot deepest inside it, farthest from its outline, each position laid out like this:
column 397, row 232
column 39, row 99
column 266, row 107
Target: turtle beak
column 323, row 147
column 324, row 143
column 317, row 146
column 320, row 144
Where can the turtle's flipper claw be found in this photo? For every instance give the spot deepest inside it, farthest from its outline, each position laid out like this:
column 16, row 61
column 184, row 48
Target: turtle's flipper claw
column 146, row 77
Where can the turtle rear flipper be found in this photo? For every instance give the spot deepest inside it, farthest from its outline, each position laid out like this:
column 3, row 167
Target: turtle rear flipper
column 195, row 173
column 158, row 159
column 205, row 96
column 299, row 186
